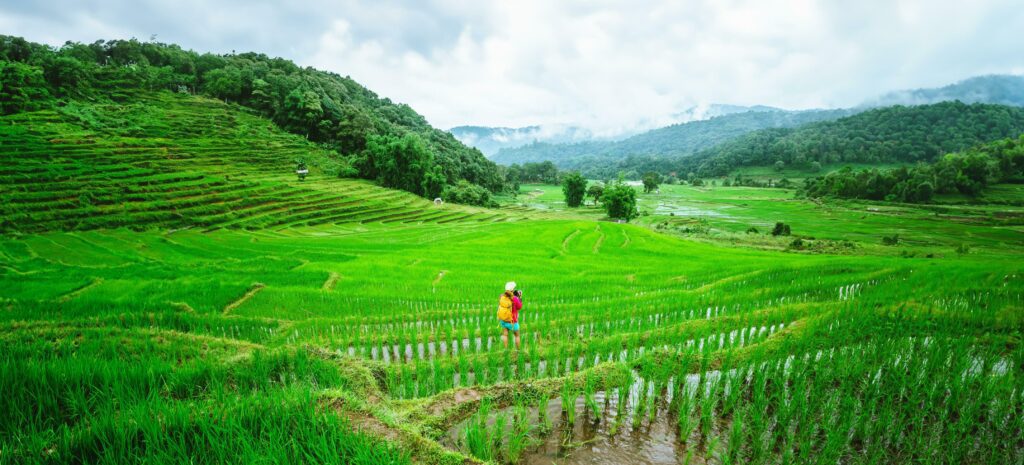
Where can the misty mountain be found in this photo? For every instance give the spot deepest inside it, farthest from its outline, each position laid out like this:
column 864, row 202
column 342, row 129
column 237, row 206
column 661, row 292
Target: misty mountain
column 996, row 89
column 716, row 124
column 491, row 139
column 714, row 110
column 672, row 141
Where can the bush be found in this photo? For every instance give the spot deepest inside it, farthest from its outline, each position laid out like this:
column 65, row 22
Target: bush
column 467, row 193
column 781, row 229
column 753, row 230
column 891, row 240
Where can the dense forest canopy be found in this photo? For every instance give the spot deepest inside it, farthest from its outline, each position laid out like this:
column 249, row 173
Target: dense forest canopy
column 964, row 173
column 375, row 137
column 886, row 135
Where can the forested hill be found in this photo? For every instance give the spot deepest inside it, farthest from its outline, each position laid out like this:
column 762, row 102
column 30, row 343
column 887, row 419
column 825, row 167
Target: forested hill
column 602, row 159
column 886, row 135
column 374, row 137
column 661, row 149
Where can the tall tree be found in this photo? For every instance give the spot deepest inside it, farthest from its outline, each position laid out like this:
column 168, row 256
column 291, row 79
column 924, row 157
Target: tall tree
column 401, row 163
column 223, row 83
column 22, row 87
column 651, row 181
column 595, row 191
column 574, row 186
column 619, row 201
column 302, row 111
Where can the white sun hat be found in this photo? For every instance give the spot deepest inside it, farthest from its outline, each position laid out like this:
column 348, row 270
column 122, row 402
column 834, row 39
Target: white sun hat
column 510, row 286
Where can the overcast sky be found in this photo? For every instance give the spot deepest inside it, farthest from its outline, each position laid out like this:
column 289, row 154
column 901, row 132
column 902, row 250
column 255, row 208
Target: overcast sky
column 605, row 65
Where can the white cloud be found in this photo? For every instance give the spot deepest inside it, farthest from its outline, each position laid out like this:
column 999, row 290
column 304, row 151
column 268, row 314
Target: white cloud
column 609, row 66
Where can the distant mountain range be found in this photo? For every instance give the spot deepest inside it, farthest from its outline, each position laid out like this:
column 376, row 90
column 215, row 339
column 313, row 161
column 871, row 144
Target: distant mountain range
column 672, row 141
column 721, row 123
column 490, row 140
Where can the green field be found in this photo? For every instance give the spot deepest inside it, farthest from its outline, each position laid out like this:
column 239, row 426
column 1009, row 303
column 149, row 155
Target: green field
column 725, row 214
column 172, row 294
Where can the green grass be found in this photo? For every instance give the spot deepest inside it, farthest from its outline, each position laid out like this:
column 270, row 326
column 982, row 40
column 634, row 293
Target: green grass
column 312, row 329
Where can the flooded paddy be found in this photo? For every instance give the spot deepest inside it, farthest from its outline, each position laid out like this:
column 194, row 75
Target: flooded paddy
column 637, row 427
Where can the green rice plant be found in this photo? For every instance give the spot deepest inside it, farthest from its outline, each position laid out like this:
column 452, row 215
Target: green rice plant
column 711, row 450
column 641, row 404
column 569, row 395
column 477, row 435
column 589, row 400
column 736, row 438
column 685, row 421
column 543, row 419
column 498, row 435
column 708, row 404
column 621, row 407
column 519, row 437
column 652, row 409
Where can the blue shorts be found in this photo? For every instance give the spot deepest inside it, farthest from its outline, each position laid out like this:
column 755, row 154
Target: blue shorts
column 509, row 326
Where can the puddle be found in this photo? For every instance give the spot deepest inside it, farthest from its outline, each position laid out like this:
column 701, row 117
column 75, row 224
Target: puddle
column 687, row 211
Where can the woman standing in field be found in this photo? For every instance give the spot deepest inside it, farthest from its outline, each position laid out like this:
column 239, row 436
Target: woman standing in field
column 508, row 312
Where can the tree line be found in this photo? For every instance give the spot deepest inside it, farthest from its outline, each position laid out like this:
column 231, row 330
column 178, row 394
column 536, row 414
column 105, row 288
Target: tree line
column 536, row 173
column 375, row 138
column 967, row 173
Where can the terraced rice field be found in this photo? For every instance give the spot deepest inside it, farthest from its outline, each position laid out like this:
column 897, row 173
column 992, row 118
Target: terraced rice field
column 175, row 162
column 403, row 319
column 331, row 321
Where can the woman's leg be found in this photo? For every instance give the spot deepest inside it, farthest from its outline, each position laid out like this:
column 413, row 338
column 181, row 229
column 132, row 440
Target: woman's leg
column 516, row 335
column 504, row 336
